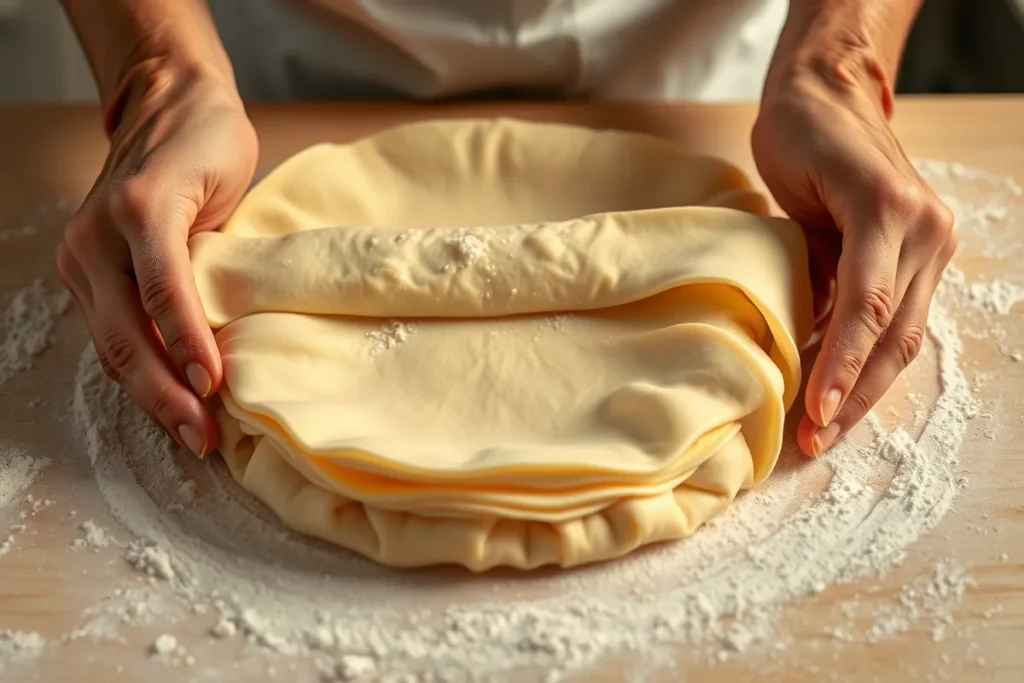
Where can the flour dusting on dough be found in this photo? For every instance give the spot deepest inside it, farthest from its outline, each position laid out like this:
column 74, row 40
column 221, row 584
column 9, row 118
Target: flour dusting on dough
column 468, row 248
column 389, row 336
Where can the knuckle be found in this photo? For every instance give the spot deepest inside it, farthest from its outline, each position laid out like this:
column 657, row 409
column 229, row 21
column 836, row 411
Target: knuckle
column 131, row 202
column 857, row 405
column 179, row 347
column 161, row 401
column 160, row 293
column 877, row 309
column 900, row 199
column 119, row 352
column 936, row 221
column 909, row 345
column 848, row 368
column 111, row 371
column 79, row 233
column 107, row 368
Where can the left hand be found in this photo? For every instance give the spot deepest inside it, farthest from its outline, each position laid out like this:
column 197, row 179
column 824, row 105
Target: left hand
column 823, row 146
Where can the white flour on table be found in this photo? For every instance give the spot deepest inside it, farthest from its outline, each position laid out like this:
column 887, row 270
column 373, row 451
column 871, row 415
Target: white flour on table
column 28, row 317
column 851, row 514
column 17, row 471
column 19, row 646
column 223, row 549
column 28, row 327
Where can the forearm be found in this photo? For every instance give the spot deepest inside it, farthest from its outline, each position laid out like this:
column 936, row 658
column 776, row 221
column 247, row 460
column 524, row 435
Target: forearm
column 119, row 36
column 847, row 43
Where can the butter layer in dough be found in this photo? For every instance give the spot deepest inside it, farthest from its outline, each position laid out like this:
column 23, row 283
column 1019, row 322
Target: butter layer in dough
column 600, row 339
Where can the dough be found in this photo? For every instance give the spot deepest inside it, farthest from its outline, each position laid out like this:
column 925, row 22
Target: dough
column 503, row 343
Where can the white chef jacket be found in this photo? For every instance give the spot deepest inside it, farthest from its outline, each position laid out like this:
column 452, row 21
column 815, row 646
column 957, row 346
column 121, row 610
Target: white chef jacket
column 431, row 49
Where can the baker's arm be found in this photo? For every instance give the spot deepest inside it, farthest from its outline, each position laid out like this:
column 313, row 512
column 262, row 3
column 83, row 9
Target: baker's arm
column 129, row 39
column 844, row 43
column 824, row 148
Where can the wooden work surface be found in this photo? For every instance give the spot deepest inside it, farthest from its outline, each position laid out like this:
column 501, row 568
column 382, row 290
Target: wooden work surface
column 51, row 152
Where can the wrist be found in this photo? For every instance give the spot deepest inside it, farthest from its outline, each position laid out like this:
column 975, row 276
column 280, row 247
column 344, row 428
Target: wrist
column 127, row 41
column 840, row 72
column 845, row 48
column 165, row 80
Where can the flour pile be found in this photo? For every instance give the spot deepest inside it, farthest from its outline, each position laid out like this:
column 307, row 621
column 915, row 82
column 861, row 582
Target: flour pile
column 28, row 327
column 211, row 553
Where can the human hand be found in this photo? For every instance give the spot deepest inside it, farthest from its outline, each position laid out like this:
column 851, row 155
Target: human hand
column 823, row 146
column 182, row 155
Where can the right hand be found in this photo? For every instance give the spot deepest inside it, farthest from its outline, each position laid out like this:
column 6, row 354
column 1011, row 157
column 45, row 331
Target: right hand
column 182, row 154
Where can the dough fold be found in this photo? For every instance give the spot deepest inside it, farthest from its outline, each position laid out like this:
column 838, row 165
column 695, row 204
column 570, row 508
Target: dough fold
column 503, row 343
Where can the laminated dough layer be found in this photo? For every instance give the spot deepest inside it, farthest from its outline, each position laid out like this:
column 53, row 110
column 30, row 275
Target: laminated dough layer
column 491, row 342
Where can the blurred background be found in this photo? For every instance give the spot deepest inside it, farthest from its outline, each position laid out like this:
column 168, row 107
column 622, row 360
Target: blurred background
column 957, row 46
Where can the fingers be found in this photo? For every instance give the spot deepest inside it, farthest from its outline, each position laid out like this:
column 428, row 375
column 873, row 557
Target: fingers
column 166, row 285
column 899, row 346
column 886, row 278
column 94, row 262
column 868, row 294
column 131, row 353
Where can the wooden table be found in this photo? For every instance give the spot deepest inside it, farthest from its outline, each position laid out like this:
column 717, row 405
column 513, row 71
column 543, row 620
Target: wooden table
column 49, row 152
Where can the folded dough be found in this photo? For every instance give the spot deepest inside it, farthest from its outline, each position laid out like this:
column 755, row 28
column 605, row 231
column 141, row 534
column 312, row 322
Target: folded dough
column 525, row 344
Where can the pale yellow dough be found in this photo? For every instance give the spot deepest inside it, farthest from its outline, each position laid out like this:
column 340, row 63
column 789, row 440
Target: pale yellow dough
column 599, row 340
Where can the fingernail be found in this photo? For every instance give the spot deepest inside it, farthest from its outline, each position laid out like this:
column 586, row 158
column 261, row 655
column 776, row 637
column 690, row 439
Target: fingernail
column 199, row 378
column 824, row 438
column 830, row 406
column 192, row 439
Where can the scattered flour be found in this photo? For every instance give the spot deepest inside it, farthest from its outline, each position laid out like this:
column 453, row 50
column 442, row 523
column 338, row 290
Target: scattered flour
column 165, row 644
column 851, row 514
column 389, row 336
column 28, row 328
column 95, row 536
column 225, row 628
column 17, row 471
column 19, row 646
column 354, row 668
column 996, row 296
column 167, row 650
column 773, row 545
column 27, row 323
column 151, row 560
column 19, row 232
column 931, row 599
